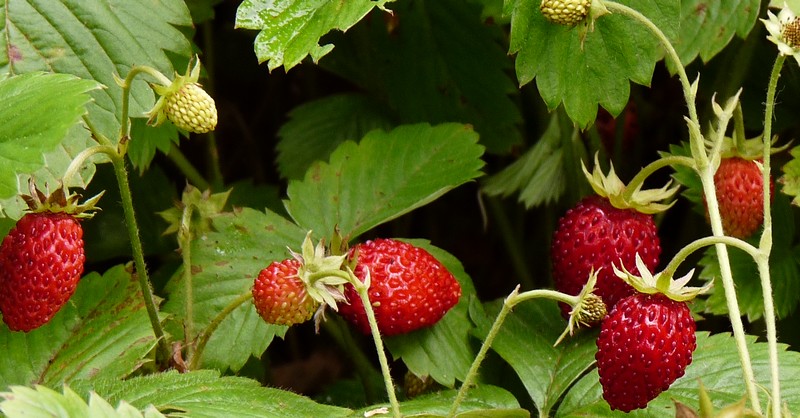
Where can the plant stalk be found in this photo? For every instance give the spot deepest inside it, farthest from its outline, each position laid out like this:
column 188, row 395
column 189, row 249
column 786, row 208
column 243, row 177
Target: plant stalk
column 185, row 245
column 202, row 341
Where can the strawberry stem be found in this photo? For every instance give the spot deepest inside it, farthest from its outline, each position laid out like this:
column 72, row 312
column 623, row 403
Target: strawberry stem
column 638, row 181
column 124, row 130
column 213, row 325
column 669, row 271
column 184, row 243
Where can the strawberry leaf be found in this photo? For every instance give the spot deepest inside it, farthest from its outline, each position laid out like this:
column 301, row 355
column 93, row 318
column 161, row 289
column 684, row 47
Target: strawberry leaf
column 84, row 39
column 482, row 401
column 706, row 27
column 22, row 401
column 148, row 141
column 716, row 364
column 422, row 65
column 386, row 175
column 526, row 343
column 791, row 177
column 315, row 129
column 291, row 30
column 442, row 351
column 225, row 262
column 207, row 394
column 103, row 331
column 26, row 137
column 597, row 71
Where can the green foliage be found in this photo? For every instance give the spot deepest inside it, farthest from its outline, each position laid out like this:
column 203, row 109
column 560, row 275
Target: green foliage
column 290, row 31
column 791, row 177
column 484, row 401
column 41, row 401
column 582, row 73
column 103, row 332
column 384, row 176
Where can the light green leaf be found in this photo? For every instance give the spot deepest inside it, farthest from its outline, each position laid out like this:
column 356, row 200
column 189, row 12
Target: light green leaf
column 526, row 343
column 582, row 75
column 716, row 364
column 225, row 262
column 482, row 401
column 41, row 401
column 316, row 128
column 708, row 26
column 92, row 40
column 25, row 135
column 791, row 177
column 383, row 177
column 442, row 351
column 103, row 331
column 291, row 30
column 206, row 394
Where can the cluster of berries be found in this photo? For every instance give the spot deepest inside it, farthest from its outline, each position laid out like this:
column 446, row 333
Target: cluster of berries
column 408, row 287
column 647, row 339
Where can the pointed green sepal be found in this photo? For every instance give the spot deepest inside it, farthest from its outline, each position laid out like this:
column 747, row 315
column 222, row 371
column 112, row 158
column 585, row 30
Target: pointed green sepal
column 648, row 283
column 611, row 187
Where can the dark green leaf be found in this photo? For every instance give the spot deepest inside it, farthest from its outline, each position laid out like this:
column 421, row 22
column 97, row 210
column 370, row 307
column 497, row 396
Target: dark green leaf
column 482, row 401
column 442, row 351
column 386, row 175
column 316, row 128
column 103, row 331
column 582, row 75
column 526, row 343
column 291, row 30
column 148, row 140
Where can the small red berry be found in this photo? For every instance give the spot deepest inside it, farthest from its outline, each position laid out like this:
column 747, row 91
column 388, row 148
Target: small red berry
column 41, row 262
column 280, row 297
column 645, row 344
column 740, row 187
column 594, row 235
column 410, row 289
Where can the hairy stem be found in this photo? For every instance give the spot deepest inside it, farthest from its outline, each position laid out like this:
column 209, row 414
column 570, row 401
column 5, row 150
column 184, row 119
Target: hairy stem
column 680, row 256
column 209, row 330
column 638, row 180
column 185, row 245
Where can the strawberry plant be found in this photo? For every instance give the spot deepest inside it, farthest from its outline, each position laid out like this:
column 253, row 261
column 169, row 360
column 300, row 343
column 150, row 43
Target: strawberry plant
column 399, row 208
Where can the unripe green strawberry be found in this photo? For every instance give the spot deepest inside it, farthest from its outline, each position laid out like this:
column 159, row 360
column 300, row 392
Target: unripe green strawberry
column 41, row 262
column 565, row 12
column 645, row 344
column 192, row 109
column 280, row 297
column 740, row 187
column 409, row 288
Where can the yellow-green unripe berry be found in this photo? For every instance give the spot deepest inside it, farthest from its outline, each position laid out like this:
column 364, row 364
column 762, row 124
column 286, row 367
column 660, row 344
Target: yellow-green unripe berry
column 192, row 109
column 565, row 12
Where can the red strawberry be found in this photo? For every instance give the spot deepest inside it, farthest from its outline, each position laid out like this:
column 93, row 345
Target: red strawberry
column 280, row 295
column 740, row 189
column 645, row 344
column 594, row 235
column 409, row 288
column 41, row 261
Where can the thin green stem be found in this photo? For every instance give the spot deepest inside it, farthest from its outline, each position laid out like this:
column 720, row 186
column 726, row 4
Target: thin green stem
column 363, row 293
column 669, row 161
column 185, row 166
column 163, row 352
column 680, row 256
column 766, row 240
column 77, row 163
column 185, row 245
column 738, row 126
column 96, row 134
column 202, row 341
column 124, row 130
column 508, row 304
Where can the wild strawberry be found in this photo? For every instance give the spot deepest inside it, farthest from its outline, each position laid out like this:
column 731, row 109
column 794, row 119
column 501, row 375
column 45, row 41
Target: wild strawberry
column 645, row 344
column 409, row 288
column 565, row 12
column 41, row 258
column 280, row 295
column 740, row 187
column 192, row 109
column 594, row 235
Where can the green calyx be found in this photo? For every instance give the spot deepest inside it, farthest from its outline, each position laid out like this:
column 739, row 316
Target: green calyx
column 648, row 283
column 321, row 273
column 587, row 311
column 60, row 201
column 621, row 197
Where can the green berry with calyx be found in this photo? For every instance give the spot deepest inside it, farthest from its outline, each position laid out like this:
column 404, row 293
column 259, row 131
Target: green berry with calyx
column 184, row 103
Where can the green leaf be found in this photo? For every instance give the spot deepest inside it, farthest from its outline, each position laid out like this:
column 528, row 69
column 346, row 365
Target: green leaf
column 316, row 128
column 291, row 30
column 424, row 68
column 92, row 40
column 791, row 177
column 706, row 27
column 147, row 141
column 225, row 262
column 526, row 341
column 103, row 331
column 442, row 351
column 386, row 175
column 538, row 174
column 582, row 75
column 482, row 401
column 25, row 135
column 207, row 394
column 22, row 401
column 716, row 363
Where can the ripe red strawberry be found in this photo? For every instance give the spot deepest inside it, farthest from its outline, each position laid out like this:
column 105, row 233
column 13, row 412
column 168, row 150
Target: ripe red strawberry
column 594, row 235
column 280, row 296
column 740, row 189
column 41, row 261
column 645, row 344
column 409, row 288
